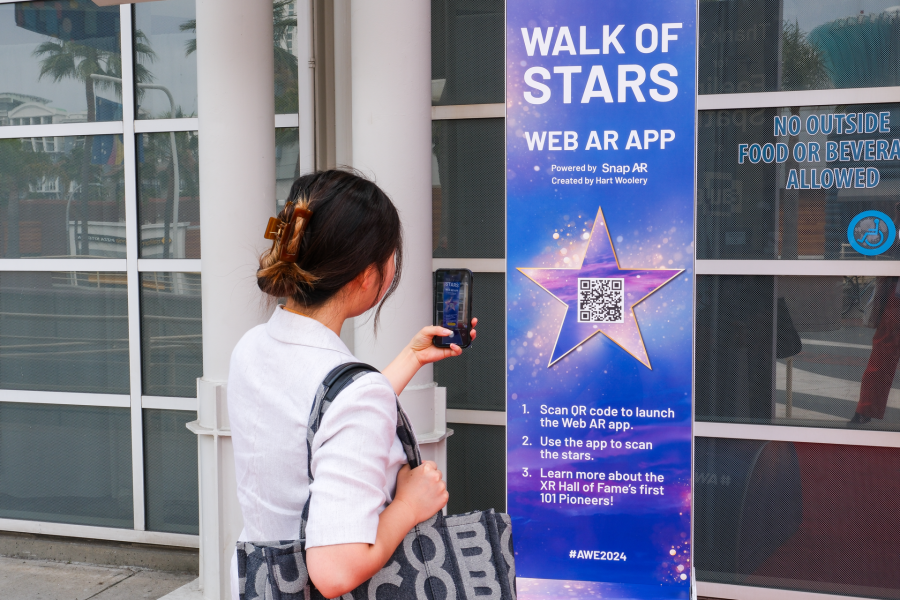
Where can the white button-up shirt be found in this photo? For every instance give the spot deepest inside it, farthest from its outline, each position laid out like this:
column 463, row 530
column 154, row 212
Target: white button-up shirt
column 275, row 372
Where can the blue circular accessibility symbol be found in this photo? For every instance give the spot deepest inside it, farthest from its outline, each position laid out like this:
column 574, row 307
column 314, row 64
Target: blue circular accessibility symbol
column 871, row 232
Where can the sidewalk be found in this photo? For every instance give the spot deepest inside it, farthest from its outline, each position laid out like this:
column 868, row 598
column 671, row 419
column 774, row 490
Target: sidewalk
column 24, row 579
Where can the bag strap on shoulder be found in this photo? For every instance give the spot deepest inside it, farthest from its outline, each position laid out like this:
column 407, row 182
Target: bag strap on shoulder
column 334, row 383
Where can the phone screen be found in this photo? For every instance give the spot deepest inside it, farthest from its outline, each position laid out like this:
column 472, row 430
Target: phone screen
column 452, row 305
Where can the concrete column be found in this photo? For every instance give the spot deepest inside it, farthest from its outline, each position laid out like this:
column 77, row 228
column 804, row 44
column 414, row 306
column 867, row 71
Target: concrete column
column 237, row 184
column 391, row 132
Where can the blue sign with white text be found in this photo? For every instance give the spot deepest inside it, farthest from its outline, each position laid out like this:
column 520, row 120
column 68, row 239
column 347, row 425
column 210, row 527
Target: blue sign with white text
column 600, row 220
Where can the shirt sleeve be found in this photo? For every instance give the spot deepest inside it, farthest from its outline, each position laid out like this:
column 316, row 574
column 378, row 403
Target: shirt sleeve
column 351, row 460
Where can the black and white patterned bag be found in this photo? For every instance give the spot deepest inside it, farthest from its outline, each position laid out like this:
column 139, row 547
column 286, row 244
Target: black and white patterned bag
column 462, row 557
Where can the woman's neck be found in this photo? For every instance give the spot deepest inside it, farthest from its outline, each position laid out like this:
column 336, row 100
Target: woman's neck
column 331, row 319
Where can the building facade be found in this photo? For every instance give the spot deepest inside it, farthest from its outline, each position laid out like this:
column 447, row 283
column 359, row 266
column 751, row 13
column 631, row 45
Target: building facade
column 102, row 281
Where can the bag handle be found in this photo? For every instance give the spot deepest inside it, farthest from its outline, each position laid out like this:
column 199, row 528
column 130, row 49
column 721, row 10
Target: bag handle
column 334, row 383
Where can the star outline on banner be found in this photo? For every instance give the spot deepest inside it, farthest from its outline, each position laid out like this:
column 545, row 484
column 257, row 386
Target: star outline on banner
column 600, row 221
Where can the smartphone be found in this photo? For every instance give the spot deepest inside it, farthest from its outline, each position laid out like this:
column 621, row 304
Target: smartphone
column 453, row 306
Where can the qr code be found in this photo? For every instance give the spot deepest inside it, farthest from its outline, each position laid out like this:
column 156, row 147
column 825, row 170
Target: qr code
column 601, row 300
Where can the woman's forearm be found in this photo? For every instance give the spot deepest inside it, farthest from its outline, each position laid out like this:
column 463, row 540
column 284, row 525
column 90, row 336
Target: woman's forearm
column 402, row 369
column 336, row 570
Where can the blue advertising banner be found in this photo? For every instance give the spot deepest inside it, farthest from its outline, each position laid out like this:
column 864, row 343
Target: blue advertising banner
column 600, row 201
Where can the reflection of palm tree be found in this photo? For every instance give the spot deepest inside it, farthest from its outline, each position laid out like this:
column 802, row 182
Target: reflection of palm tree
column 63, row 59
column 286, row 75
column 803, row 65
column 144, row 53
column 158, row 175
column 284, row 25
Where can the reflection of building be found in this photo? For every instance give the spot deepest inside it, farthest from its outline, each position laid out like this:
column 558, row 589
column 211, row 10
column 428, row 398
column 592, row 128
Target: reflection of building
column 19, row 109
column 861, row 49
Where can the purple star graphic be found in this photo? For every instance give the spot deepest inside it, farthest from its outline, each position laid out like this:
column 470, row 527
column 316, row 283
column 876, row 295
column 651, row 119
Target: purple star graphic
column 622, row 288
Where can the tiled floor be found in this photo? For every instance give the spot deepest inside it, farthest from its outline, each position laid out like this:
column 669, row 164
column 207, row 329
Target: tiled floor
column 44, row 580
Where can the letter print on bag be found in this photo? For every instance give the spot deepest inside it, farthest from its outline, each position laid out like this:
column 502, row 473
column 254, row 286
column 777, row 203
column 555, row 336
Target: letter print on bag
column 433, row 567
column 506, row 546
column 389, row 575
column 467, row 534
column 293, row 585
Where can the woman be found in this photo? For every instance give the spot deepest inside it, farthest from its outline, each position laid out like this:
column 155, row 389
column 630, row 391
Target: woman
column 344, row 234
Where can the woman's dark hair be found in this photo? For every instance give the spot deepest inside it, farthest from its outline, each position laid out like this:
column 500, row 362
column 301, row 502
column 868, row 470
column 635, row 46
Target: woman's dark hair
column 353, row 225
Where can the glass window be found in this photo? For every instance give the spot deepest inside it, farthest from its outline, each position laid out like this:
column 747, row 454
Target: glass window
column 170, row 472
column 476, row 468
column 169, row 195
column 799, row 351
column 787, row 183
column 165, row 45
column 287, row 48
column 66, row 464
column 50, row 53
column 775, row 45
column 468, row 188
column 287, row 163
column 46, row 211
column 64, row 332
column 171, row 334
column 467, row 50
column 477, row 379
column 166, row 66
column 796, row 516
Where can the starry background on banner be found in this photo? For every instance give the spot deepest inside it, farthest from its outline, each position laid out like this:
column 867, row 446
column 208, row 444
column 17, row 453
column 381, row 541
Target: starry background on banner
column 600, row 262
column 651, row 227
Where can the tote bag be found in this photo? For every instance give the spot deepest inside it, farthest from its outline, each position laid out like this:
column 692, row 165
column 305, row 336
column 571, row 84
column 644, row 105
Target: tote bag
column 461, row 557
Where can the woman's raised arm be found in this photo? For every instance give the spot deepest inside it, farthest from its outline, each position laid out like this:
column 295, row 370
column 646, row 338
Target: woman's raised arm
column 418, row 353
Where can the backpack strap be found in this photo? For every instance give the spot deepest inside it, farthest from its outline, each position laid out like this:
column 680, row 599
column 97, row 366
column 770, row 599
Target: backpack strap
column 334, row 383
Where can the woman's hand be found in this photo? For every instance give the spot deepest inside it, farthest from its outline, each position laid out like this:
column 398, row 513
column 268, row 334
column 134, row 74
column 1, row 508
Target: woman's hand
column 419, row 352
column 426, row 352
column 422, row 490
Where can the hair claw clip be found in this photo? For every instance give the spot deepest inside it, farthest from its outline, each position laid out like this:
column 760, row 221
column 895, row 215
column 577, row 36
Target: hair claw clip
column 280, row 231
column 274, row 228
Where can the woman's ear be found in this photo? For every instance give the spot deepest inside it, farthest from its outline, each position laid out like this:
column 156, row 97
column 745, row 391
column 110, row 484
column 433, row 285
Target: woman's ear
column 368, row 279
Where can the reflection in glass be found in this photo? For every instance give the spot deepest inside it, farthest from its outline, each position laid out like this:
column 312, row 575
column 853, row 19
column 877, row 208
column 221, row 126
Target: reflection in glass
column 171, row 334
column 64, row 332
column 170, row 472
column 756, row 210
column 48, row 54
column 797, row 516
column 286, row 48
column 287, row 163
column 477, row 379
column 169, row 195
column 166, row 65
column 775, row 45
column 467, row 52
column 66, row 464
column 45, row 211
column 881, row 312
column 468, row 188
column 799, row 351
